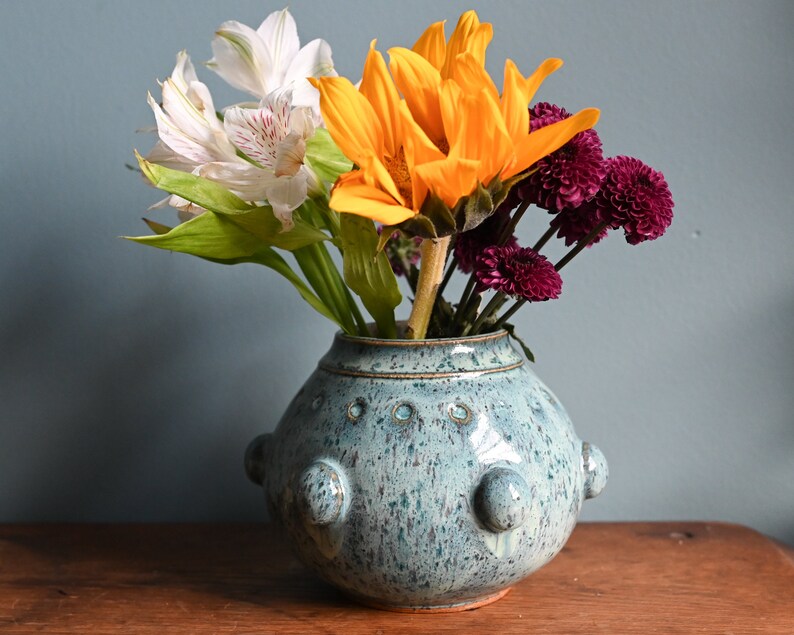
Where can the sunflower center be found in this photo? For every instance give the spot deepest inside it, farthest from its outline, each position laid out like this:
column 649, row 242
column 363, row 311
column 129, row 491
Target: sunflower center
column 398, row 169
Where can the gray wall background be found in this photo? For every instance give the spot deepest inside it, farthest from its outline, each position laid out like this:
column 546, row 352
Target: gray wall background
column 132, row 379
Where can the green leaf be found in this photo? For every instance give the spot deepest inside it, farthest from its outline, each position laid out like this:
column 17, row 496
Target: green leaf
column 325, row 157
column 416, row 226
column 207, row 236
column 478, row 206
column 215, row 238
column 258, row 220
column 157, row 228
column 511, row 331
column 270, row 258
column 368, row 272
column 261, row 223
column 202, row 192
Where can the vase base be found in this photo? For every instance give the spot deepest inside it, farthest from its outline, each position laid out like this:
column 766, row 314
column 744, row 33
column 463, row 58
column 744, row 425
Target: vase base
column 444, row 608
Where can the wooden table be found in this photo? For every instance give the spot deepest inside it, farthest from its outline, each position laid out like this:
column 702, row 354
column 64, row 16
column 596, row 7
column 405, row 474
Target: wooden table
column 169, row 579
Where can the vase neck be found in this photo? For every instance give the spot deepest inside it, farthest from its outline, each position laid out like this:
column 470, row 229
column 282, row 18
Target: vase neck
column 417, row 359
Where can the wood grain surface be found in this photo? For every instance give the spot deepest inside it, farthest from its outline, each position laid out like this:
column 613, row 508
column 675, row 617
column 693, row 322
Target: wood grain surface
column 172, row 579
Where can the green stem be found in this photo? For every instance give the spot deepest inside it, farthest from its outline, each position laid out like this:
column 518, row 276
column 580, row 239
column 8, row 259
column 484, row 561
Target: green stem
column 363, row 329
column 509, row 313
column 580, row 245
column 543, row 240
column 323, row 276
column 434, row 254
column 492, row 306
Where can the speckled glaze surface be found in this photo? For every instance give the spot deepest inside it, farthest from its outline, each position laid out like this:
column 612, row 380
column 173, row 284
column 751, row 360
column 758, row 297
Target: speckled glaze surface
column 425, row 475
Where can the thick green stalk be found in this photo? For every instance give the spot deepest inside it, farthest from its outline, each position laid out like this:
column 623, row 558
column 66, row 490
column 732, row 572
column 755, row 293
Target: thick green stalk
column 434, row 255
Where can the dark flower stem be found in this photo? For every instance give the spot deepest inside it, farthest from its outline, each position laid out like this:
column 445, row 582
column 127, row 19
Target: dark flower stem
column 511, row 226
column 580, row 245
column 543, row 240
column 490, row 308
column 464, row 300
column 509, row 313
column 453, row 264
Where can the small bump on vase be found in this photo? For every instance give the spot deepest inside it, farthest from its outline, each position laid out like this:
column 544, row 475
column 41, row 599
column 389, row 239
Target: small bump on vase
column 459, row 414
column 317, row 402
column 403, row 413
column 356, row 409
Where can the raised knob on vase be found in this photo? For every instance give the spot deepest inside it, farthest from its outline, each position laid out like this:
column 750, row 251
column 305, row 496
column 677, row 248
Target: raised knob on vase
column 255, row 458
column 321, row 493
column 596, row 471
column 502, row 499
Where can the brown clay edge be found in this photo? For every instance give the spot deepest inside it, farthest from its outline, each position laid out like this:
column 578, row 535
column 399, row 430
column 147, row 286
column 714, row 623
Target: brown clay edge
column 468, row 606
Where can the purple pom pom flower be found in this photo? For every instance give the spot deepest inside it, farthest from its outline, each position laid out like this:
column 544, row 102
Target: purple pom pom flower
column 635, row 197
column 469, row 245
column 575, row 224
column 519, row 272
column 569, row 176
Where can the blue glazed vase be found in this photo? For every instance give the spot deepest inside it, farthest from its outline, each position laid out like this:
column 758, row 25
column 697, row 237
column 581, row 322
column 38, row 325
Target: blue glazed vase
column 425, row 475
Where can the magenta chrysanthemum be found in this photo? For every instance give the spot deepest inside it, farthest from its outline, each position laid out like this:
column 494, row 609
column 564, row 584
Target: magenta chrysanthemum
column 575, row 224
column 569, row 176
column 470, row 244
column 519, row 272
column 635, row 197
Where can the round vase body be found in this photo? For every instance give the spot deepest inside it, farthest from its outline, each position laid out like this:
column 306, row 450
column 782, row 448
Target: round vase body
column 425, row 475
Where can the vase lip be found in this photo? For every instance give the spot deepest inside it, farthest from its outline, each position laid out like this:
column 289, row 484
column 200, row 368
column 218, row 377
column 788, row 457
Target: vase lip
column 420, row 359
column 431, row 341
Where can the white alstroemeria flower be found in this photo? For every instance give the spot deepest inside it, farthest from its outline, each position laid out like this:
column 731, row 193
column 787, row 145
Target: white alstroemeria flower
column 274, row 137
column 189, row 129
column 271, row 58
column 187, row 122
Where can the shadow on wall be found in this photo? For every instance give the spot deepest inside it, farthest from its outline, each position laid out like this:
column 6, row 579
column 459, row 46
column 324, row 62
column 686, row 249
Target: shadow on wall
column 100, row 418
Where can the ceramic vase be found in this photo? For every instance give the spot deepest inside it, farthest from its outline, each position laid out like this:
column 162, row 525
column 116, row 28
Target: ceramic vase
column 425, row 475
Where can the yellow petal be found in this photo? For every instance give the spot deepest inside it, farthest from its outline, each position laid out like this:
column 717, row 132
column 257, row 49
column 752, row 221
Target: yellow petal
column 432, row 45
column 469, row 35
column 481, row 135
column 534, row 81
column 418, row 81
column 350, row 118
column 514, row 102
column 472, row 76
column 450, row 96
column 375, row 174
column 450, row 179
column 418, row 149
column 368, row 201
column 379, row 89
column 549, row 138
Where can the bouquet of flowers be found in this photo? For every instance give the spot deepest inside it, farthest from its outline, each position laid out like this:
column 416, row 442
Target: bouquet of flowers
column 421, row 170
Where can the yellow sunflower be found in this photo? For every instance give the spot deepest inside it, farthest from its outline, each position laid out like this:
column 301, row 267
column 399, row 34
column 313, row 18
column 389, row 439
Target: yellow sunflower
column 436, row 124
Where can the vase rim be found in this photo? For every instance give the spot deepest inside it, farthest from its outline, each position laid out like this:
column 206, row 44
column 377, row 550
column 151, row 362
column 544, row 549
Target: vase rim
column 431, row 341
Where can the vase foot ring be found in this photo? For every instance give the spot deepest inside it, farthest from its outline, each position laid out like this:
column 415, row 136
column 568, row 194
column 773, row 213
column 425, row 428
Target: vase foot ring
column 449, row 608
